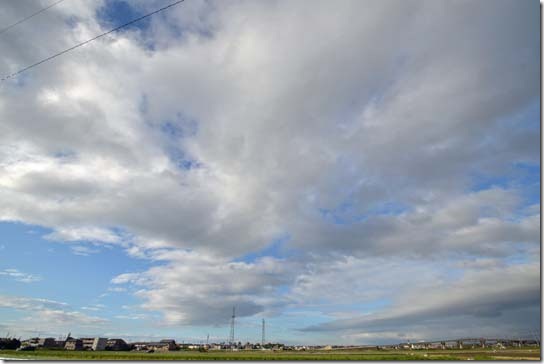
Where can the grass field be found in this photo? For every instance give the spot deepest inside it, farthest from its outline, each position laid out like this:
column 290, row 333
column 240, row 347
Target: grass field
column 453, row 354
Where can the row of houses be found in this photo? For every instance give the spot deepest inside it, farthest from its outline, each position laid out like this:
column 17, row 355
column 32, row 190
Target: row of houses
column 70, row 343
column 465, row 343
column 99, row 344
column 87, row 343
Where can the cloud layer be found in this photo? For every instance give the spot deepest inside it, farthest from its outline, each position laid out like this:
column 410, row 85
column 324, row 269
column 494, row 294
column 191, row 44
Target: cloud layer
column 364, row 132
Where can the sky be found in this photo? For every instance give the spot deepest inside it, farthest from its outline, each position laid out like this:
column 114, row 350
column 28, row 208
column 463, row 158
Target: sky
column 353, row 172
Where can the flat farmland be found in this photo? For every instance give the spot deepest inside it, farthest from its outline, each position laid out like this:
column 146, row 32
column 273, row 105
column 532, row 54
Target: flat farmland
column 531, row 353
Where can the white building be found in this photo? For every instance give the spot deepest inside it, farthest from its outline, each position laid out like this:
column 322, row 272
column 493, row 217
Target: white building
column 94, row 343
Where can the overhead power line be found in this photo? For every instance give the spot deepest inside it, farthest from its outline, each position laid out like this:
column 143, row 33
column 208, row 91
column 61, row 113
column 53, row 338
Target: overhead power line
column 89, row 40
column 30, row 16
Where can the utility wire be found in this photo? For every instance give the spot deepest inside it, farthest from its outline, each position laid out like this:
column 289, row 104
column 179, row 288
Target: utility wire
column 88, row 41
column 30, row 16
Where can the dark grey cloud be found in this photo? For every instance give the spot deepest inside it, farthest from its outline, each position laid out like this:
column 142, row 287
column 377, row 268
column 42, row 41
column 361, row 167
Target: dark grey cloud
column 495, row 298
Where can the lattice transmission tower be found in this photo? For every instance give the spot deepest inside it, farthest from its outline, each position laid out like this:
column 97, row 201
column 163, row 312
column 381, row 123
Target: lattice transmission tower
column 262, row 338
column 231, row 338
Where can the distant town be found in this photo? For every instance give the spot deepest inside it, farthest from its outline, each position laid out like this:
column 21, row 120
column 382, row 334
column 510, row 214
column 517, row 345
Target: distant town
column 118, row 344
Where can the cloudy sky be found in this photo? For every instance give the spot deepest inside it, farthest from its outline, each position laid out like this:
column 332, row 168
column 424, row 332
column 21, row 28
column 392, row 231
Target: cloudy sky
column 353, row 172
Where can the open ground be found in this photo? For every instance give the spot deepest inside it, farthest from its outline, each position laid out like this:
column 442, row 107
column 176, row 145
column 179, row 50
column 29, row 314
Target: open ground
column 527, row 353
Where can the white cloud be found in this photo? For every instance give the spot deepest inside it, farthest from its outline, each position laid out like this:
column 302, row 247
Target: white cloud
column 19, row 276
column 484, row 223
column 50, row 315
column 55, row 318
column 92, row 234
column 132, row 317
column 358, row 129
column 198, row 289
column 95, row 307
column 83, row 250
column 28, row 303
column 252, row 186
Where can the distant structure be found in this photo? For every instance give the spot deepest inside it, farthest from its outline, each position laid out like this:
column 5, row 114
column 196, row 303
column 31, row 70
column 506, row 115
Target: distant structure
column 116, row 345
column 231, row 338
column 94, row 343
column 163, row 345
column 262, row 338
column 73, row 344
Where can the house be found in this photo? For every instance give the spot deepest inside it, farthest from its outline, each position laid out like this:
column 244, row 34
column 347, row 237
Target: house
column 31, row 342
column 73, row 344
column 163, row 345
column 247, row 346
column 171, row 343
column 94, row 343
column 99, row 343
column 436, row 345
column 47, row 342
column 419, row 345
column 116, row 345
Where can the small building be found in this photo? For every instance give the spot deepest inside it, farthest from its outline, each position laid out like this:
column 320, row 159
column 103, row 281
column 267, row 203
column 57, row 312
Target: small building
column 163, row 345
column 99, row 343
column 31, row 342
column 44, row 342
column 47, row 342
column 419, row 345
column 116, row 345
column 87, row 342
column 435, row 345
column 470, row 343
column 450, row 344
column 248, row 346
column 73, row 344
column 171, row 343
column 94, row 343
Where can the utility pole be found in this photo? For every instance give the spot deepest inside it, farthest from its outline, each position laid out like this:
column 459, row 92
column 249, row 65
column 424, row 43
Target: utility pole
column 262, row 338
column 231, row 339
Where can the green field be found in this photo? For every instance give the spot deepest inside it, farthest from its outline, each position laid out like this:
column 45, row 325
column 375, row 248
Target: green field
column 453, row 354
